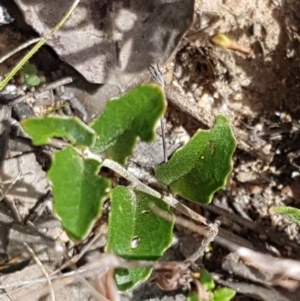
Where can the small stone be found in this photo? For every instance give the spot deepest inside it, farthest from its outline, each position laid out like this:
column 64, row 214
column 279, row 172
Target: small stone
column 245, row 176
column 267, row 149
column 255, row 189
column 64, row 237
column 55, row 233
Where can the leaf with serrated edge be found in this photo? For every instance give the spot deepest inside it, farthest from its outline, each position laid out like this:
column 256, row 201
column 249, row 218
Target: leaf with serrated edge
column 292, row 214
column 78, row 191
column 136, row 233
column 200, row 168
column 41, row 130
column 126, row 118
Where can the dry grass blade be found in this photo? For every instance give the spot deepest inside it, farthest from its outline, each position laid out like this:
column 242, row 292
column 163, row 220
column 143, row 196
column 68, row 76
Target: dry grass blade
column 106, row 286
column 278, row 271
column 157, row 75
column 99, row 266
column 12, row 183
column 178, row 220
column 209, row 233
column 31, row 252
column 36, row 47
column 25, row 45
column 51, row 86
column 171, row 201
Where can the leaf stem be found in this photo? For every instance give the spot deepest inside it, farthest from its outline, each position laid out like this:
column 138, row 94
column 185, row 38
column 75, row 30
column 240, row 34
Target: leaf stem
column 170, row 200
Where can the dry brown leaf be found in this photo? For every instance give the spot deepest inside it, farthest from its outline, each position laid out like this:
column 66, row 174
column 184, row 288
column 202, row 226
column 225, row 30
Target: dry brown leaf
column 112, row 41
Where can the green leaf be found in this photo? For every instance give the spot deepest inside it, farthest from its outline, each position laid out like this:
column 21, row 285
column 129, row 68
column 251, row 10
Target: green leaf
column 29, row 69
column 42, row 129
column 200, row 168
column 126, row 279
column 223, row 294
column 78, row 191
column 135, row 233
column 207, row 280
column 32, row 80
column 126, row 118
column 192, row 297
column 292, row 214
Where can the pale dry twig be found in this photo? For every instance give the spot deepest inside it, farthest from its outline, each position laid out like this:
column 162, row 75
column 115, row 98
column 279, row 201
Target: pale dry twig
column 31, row 252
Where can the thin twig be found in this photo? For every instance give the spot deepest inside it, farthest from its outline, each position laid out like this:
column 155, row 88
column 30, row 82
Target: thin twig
column 204, row 244
column 51, row 86
column 178, row 220
column 11, row 203
column 81, row 279
column 163, row 136
column 96, row 268
column 208, row 234
column 37, row 46
column 77, row 257
column 276, row 268
column 157, row 75
column 170, row 200
column 42, row 269
column 245, row 223
column 93, row 291
column 25, row 45
column 12, row 183
column 6, row 295
column 86, row 248
column 200, row 11
column 38, row 206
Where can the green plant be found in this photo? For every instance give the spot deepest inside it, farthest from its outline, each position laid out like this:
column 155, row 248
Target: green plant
column 292, row 214
column 194, row 172
column 223, row 41
column 36, row 47
column 29, row 76
column 220, row 294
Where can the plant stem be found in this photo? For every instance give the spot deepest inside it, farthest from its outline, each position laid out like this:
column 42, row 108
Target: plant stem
column 170, row 200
